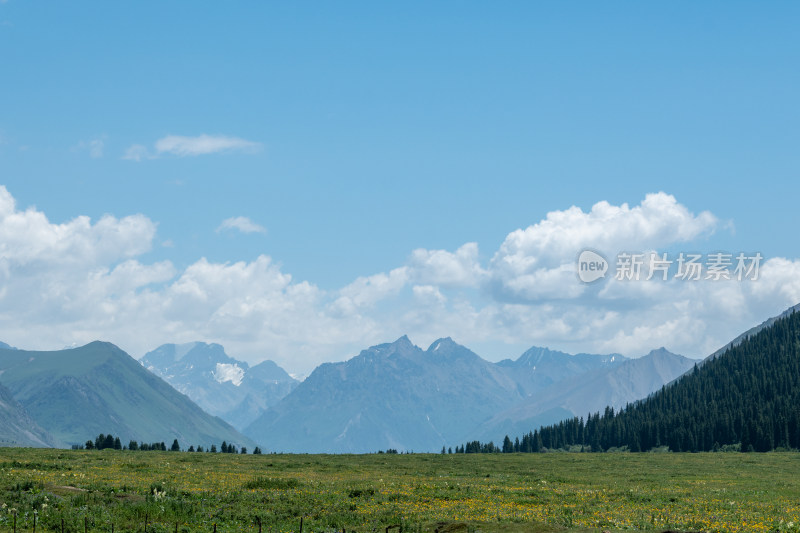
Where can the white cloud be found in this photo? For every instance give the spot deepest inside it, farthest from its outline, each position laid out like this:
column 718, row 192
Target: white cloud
column 429, row 295
column 204, row 144
column 28, row 238
column 182, row 146
column 520, row 267
column 367, row 291
column 658, row 221
column 440, row 267
column 243, row 224
column 86, row 279
column 136, row 152
column 95, row 147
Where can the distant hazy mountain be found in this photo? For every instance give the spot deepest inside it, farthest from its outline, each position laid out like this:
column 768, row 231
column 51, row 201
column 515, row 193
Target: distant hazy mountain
column 389, row 396
column 4, row 346
column 539, row 368
column 399, row 396
column 219, row 383
column 612, row 385
column 17, row 428
column 77, row 394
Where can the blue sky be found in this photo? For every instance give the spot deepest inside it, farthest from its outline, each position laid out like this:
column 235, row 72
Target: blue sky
column 343, row 137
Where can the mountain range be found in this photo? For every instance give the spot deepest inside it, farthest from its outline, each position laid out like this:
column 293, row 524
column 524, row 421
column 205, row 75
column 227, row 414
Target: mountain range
column 76, row 394
column 394, row 395
column 400, row 396
column 220, row 384
column 615, row 384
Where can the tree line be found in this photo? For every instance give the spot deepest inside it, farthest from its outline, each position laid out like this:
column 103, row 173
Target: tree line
column 746, row 399
column 110, row 442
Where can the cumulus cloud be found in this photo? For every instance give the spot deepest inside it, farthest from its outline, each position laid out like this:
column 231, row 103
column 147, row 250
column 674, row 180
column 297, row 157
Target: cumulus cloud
column 243, row 224
column 28, row 238
column 366, row 291
column 440, row 267
column 85, row 279
column 531, row 258
column 658, row 221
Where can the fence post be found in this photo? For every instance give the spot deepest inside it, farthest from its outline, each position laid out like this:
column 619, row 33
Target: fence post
column 145, row 522
column 301, row 524
column 259, row 523
column 62, row 525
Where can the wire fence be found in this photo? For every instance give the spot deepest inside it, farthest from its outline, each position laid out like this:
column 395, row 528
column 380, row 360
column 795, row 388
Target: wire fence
column 148, row 526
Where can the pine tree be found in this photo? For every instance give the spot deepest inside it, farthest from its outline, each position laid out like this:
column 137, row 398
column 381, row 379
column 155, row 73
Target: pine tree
column 745, row 397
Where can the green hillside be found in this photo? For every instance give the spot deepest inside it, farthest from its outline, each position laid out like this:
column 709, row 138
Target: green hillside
column 17, row 428
column 78, row 393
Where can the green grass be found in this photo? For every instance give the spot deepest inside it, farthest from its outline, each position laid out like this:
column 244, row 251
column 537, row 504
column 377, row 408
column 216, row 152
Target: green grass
column 452, row 493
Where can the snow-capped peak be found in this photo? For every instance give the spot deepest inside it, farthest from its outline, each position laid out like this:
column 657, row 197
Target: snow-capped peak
column 229, row 372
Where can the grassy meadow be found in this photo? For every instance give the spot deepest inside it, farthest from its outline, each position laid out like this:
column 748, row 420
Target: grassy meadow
column 504, row 493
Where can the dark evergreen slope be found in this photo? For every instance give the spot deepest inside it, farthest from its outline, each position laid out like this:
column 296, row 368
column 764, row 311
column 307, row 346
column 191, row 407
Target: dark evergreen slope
column 750, row 394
